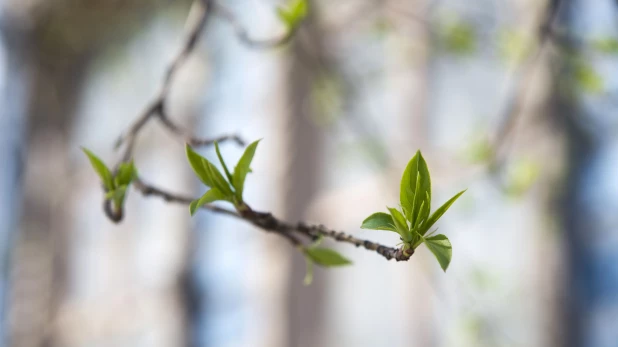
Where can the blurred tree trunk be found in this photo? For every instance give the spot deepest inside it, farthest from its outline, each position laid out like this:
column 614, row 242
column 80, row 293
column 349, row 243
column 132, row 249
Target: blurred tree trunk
column 304, row 176
column 51, row 48
column 14, row 82
column 590, row 304
column 37, row 280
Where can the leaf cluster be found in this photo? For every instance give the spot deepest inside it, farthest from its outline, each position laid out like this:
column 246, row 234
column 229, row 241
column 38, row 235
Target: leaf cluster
column 115, row 185
column 413, row 221
column 228, row 188
column 293, row 13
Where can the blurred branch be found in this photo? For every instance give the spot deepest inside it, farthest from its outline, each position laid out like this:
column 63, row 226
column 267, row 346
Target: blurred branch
column 514, row 109
column 156, row 107
column 269, row 223
column 243, row 35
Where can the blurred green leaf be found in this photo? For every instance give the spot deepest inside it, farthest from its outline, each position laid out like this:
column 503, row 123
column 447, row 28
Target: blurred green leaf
column 117, row 195
column 243, row 168
column 459, row 38
column 608, row 45
column 439, row 212
column 326, row 95
column 207, row 172
column 401, row 226
column 326, row 257
column 212, row 195
column 588, row 79
column 379, row 221
column 514, row 46
column 126, row 174
column 415, row 187
column 480, row 150
column 100, row 168
column 521, row 177
column 293, row 13
column 441, row 248
column 382, row 26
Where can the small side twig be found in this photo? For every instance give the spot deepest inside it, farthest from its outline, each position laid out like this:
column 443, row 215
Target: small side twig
column 196, row 141
column 156, row 106
column 243, row 35
column 514, row 109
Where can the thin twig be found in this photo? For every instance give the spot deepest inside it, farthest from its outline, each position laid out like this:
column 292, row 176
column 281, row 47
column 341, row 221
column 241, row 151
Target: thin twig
column 268, row 222
column 156, row 106
column 514, row 109
column 243, row 35
column 195, row 141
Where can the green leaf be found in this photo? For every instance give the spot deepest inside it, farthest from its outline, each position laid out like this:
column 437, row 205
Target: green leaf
column 401, row 226
column 421, row 211
column 441, row 248
column 117, row 195
column 379, row 221
column 100, row 168
column 588, row 79
column 608, row 45
column 326, row 257
column 227, row 172
column 459, row 38
column 243, row 168
column 514, row 45
column 439, row 212
column 309, row 274
column 415, row 187
column 126, row 174
column 210, row 196
column 207, row 172
column 292, row 14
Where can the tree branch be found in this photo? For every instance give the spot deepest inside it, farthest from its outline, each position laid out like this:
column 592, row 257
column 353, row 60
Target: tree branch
column 269, row 223
column 514, row 109
column 243, row 35
column 156, row 108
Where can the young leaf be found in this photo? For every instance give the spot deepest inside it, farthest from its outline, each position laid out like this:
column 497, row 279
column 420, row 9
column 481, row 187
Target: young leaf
column 415, row 187
column 441, row 248
column 292, row 14
column 401, row 226
column 101, row 169
column 207, row 172
column 309, row 274
column 459, row 38
column 212, row 195
column 607, row 45
column 419, row 219
column 126, row 174
column 588, row 79
column 118, row 195
column 379, row 221
column 439, row 212
column 243, row 168
column 326, row 257
column 227, row 172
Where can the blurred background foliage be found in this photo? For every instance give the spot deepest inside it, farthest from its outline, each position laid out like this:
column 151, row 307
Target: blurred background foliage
column 514, row 100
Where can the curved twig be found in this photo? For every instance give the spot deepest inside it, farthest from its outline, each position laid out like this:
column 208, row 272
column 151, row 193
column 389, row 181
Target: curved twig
column 243, row 35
